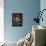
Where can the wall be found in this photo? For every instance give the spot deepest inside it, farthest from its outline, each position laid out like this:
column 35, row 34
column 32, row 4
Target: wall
column 28, row 8
column 43, row 6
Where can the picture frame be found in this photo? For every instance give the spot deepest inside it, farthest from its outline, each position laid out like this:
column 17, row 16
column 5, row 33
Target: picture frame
column 17, row 19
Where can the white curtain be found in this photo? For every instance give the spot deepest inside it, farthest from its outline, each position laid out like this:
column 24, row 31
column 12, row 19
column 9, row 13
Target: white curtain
column 1, row 20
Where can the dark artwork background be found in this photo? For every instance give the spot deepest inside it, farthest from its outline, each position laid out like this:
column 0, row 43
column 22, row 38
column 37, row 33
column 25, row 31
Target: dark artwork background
column 17, row 19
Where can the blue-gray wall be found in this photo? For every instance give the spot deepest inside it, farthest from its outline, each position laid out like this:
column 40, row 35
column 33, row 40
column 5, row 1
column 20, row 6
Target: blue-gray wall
column 43, row 6
column 28, row 8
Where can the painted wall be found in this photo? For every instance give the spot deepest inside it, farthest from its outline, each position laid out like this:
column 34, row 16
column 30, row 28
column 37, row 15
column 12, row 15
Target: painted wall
column 43, row 6
column 28, row 8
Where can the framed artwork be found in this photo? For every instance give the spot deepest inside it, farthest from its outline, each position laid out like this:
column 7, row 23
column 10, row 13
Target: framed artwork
column 17, row 19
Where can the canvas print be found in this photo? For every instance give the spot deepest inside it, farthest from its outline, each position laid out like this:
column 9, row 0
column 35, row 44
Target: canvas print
column 17, row 19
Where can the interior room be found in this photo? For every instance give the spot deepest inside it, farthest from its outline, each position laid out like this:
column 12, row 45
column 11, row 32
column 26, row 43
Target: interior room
column 22, row 22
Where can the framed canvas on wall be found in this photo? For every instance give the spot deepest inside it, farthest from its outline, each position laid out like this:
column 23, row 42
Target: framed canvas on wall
column 17, row 19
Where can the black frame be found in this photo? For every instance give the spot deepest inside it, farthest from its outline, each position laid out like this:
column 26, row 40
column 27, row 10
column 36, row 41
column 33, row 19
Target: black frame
column 17, row 17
